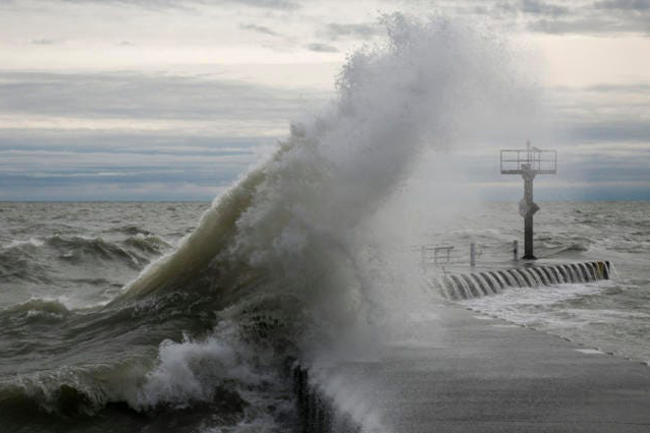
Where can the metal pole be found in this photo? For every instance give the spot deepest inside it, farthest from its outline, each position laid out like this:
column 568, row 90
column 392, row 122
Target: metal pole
column 527, row 209
column 472, row 254
column 528, row 173
column 528, row 219
column 515, row 250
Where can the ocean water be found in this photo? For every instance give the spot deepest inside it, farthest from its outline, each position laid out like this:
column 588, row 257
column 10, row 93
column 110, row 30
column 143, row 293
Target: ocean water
column 80, row 355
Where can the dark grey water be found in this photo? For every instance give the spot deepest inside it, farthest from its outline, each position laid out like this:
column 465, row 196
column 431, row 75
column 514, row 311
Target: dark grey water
column 75, row 359
column 88, row 251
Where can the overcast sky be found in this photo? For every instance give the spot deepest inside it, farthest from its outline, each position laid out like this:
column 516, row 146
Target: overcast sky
column 173, row 100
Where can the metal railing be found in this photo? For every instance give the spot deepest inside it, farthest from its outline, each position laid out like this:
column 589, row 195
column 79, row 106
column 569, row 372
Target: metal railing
column 440, row 255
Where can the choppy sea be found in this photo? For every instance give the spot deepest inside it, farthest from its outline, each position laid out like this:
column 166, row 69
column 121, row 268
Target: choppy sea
column 95, row 338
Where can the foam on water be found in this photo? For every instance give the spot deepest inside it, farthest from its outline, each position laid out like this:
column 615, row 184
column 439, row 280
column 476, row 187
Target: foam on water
column 193, row 371
column 511, row 304
column 611, row 315
column 31, row 241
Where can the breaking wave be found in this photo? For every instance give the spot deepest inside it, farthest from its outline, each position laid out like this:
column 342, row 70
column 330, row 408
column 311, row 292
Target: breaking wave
column 280, row 264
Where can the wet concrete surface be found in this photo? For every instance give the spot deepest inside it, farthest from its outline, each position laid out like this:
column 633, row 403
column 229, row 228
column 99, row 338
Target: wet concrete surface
column 460, row 371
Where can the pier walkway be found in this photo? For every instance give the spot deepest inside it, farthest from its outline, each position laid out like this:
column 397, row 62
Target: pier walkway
column 467, row 372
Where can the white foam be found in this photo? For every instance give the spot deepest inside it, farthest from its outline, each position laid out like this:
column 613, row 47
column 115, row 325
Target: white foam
column 590, row 351
column 192, row 371
column 31, row 241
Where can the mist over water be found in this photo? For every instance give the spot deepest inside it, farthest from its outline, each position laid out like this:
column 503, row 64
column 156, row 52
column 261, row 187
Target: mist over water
column 296, row 255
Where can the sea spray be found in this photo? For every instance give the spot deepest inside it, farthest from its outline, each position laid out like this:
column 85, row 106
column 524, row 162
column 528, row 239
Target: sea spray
column 284, row 249
column 291, row 226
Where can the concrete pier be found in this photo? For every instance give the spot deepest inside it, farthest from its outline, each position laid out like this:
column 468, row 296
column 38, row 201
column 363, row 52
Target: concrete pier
column 472, row 373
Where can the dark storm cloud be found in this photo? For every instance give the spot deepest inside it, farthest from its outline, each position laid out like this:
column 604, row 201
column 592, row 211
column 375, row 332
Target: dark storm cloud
column 259, row 29
column 143, row 96
column 322, row 48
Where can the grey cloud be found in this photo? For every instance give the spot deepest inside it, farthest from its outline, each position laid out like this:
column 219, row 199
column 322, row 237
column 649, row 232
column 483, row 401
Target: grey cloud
column 145, row 143
column 538, row 7
column 271, row 4
column 600, row 17
column 165, row 4
column 40, row 163
column 32, row 162
column 359, row 30
column 529, row 7
column 285, row 5
column 143, row 96
column 43, row 42
column 259, row 29
column 605, row 113
column 620, row 88
column 594, row 25
column 633, row 5
column 613, row 131
column 507, row 8
column 322, row 48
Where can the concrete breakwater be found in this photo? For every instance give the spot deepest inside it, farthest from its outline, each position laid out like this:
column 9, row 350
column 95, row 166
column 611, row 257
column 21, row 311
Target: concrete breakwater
column 487, row 282
column 480, row 374
column 467, row 373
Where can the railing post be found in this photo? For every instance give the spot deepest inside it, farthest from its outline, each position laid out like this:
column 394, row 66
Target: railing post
column 472, row 254
column 515, row 250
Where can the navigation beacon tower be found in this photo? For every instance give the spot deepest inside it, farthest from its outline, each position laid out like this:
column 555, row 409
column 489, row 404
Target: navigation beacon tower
column 528, row 163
